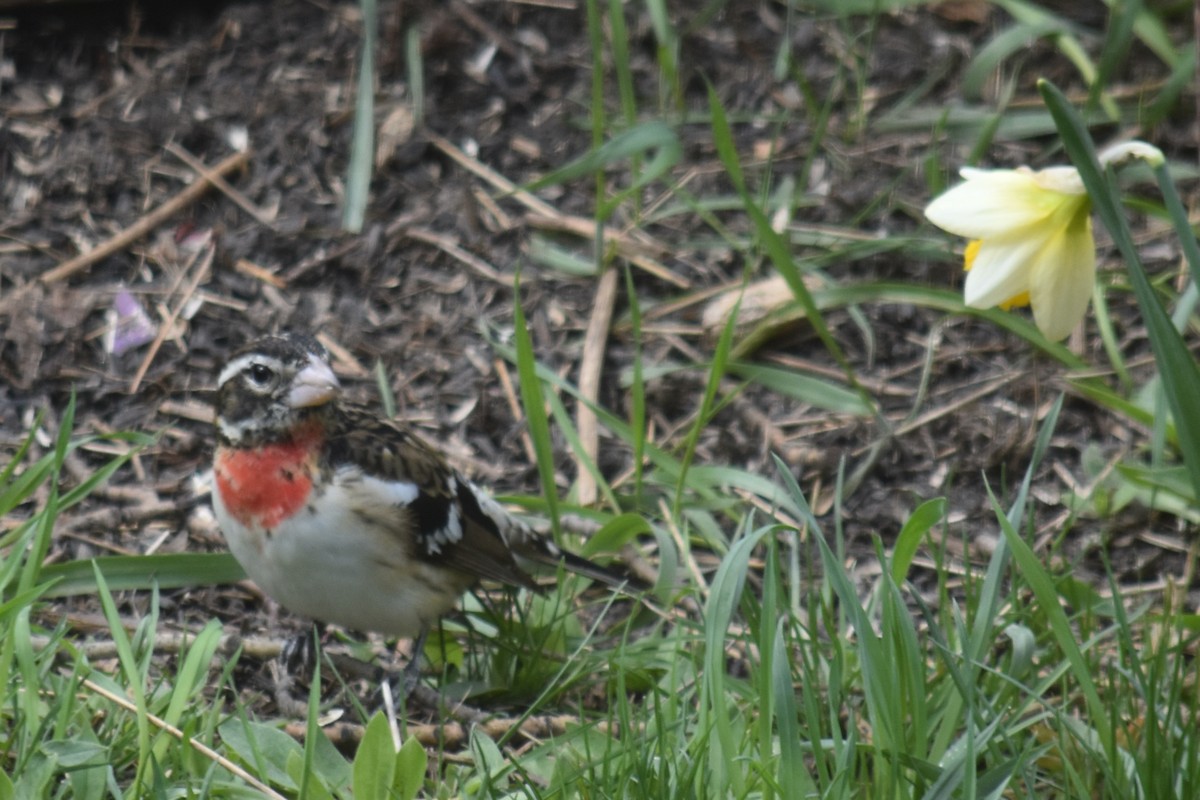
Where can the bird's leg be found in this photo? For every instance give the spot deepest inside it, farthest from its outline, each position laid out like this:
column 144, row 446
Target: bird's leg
column 298, row 658
column 406, row 686
column 299, row 654
column 411, row 675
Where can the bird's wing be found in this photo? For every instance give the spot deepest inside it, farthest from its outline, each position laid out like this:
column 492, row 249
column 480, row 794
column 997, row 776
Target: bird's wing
column 448, row 520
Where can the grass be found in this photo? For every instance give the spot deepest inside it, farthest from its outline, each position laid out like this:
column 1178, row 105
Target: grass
column 767, row 662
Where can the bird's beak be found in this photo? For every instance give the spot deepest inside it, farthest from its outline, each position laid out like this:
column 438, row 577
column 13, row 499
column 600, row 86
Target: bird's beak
column 314, row 385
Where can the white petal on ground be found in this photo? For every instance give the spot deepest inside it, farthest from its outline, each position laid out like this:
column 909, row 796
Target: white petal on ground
column 1062, row 280
column 994, row 203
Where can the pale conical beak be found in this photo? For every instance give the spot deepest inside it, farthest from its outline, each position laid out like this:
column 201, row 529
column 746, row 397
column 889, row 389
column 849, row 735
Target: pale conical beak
column 314, row 385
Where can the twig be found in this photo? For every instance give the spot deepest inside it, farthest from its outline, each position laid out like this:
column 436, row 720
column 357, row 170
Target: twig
column 223, row 185
column 685, row 552
column 589, row 384
column 636, row 251
column 473, row 20
column 168, row 325
column 203, row 749
column 168, row 643
column 497, row 180
column 188, row 195
column 546, row 216
column 511, row 395
column 451, row 248
column 456, row 734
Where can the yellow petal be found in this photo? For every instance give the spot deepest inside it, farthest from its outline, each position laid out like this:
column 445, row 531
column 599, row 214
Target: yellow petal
column 970, row 253
column 1018, row 301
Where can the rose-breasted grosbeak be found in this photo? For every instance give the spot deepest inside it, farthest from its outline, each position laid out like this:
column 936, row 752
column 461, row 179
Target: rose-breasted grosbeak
column 347, row 517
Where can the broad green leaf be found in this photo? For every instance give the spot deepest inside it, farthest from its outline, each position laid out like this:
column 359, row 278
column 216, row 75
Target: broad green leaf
column 375, row 761
column 169, row 571
column 411, row 763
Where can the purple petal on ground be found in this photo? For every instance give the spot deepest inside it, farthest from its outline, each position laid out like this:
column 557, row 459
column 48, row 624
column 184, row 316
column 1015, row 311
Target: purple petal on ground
column 131, row 326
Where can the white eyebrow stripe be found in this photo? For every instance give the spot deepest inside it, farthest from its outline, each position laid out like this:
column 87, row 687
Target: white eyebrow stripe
column 236, row 366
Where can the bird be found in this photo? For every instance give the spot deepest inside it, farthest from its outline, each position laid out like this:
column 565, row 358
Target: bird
column 346, row 516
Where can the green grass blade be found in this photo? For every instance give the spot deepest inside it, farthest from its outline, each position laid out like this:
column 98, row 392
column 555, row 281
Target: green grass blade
column 637, row 388
column 535, row 407
column 124, row 573
column 134, row 678
column 1179, row 220
column 362, row 146
column 1180, row 376
column 775, row 245
column 715, row 373
column 654, row 141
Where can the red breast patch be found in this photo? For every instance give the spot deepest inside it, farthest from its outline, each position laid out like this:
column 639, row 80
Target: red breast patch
column 263, row 486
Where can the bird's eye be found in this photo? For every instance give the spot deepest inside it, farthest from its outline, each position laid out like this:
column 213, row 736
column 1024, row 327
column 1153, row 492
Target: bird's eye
column 260, row 374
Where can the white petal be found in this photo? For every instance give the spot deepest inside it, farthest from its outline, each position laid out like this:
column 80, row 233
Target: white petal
column 993, row 203
column 1001, row 271
column 1062, row 281
column 1119, row 153
column 1060, row 180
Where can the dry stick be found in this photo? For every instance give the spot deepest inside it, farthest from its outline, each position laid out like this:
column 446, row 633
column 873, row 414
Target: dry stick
column 482, row 26
column 143, row 226
column 168, row 325
column 510, row 394
column 451, row 248
column 589, row 384
column 685, row 551
column 491, row 176
column 223, row 185
column 203, row 749
column 549, row 217
column 637, row 252
column 456, row 734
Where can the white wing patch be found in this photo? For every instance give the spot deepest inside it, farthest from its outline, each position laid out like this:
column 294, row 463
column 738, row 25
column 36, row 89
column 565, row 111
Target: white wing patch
column 396, row 493
column 378, row 499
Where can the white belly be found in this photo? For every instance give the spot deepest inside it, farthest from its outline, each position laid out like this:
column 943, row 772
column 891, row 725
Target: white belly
column 335, row 568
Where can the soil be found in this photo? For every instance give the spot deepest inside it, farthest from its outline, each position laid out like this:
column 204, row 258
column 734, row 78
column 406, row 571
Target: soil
column 101, row 103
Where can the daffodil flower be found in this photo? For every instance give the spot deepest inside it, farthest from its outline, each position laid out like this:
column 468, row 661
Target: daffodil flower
column 1032, row 245
column 1031, row 235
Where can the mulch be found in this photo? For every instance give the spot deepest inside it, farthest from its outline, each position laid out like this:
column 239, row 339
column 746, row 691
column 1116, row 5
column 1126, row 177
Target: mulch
column 109, row 114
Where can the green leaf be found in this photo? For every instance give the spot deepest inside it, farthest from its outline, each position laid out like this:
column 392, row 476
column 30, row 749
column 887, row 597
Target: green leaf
column 615, row 534
column 775, row 246
column 411, row 763
column 655, row 137
column 807, row 389
column 122, row 573
column 362, row 148
column 1180, row 376
column 928, row 514
column 375, row 761
column 535, row 408
column 264, row 748
column 71, row 754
